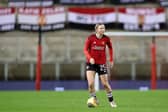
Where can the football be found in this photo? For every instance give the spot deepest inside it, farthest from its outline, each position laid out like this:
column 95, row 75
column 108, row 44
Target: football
column 91, row 102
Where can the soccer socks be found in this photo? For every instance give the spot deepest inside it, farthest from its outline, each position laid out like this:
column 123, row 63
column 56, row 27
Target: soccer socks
column 110, row 97
column 93, row 95
column 111, row 100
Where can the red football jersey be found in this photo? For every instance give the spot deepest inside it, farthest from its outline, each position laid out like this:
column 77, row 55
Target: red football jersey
column 96, row 48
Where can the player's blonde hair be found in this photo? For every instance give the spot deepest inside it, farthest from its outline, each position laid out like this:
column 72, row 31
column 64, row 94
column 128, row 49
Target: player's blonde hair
column 97, row 25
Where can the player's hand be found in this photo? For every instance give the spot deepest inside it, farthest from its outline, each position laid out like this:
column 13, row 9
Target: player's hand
column 92, row 61
column 111, row 64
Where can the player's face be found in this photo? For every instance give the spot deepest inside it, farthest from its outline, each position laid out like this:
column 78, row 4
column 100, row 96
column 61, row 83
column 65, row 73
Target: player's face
column 100, row 29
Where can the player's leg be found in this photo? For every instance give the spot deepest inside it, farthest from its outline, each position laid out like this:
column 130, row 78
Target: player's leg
column 104, row 80
column 90, row 74
column 90, row 78
column 107, row 87
column 105, row 83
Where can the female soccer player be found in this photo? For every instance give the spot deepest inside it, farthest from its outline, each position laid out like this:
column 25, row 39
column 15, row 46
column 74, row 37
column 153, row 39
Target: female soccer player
column 95, row 52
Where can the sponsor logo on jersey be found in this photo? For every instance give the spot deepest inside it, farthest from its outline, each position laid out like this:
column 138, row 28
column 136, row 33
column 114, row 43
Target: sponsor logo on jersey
column 98, row 47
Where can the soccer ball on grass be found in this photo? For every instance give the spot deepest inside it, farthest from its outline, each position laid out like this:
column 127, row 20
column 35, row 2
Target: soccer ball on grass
column 91, row 102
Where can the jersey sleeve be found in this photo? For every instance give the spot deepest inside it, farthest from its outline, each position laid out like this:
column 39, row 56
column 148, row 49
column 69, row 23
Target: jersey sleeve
column 109, row 44
column 87, row 48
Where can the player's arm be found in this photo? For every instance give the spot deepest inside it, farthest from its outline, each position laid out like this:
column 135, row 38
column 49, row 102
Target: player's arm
column 86, row 49
column 109, row 44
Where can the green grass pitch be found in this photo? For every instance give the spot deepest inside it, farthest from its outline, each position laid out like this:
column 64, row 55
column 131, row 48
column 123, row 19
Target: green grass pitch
column 75, row 101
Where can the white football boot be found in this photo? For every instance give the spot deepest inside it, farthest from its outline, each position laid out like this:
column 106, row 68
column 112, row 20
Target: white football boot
column 113, row 104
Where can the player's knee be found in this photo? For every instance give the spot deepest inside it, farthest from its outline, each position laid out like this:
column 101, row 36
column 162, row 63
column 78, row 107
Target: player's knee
column 91, row 86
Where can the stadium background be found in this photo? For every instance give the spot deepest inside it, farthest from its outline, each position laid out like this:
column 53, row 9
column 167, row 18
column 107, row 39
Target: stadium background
column 63, row 60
